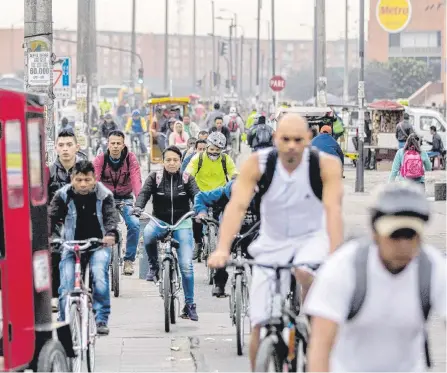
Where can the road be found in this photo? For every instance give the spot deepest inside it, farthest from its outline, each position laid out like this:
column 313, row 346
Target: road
column 137, row 341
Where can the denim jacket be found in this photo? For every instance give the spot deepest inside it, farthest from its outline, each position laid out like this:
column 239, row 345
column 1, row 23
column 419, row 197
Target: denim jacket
column 63, row 209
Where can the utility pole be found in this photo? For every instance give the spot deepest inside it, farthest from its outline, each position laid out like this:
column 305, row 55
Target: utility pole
column 321, row 49
column 214, row 46
column 236, row 50
column 276, row 94
column 230, row 47
column 92, row 64
column 258, row 51
column 250, row 54
column 38, row 77
column 315, row 56
column 133, row 47
column 241, row 79
column 360, row 171
column 165, row 85
column 194, row 78
column 346, row 67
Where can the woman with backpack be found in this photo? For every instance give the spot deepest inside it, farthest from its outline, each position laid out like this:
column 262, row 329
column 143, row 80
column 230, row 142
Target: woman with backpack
column 411, row 162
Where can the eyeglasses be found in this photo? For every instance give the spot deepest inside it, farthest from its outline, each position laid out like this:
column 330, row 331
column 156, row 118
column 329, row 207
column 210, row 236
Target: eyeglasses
column 295, row 139
column 403, row 234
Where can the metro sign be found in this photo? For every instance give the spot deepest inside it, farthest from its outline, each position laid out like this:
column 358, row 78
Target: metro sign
column 277, row 83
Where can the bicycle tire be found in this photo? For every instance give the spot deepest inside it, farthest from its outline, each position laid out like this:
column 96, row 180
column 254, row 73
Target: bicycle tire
column 299, row 363
column 172, row 313
column 267, row 353
column 116, row 271
column 52, row 357
column 238, row 315
column 91, row 350
column 167, row 293
column 75, row 329
column 211, row 247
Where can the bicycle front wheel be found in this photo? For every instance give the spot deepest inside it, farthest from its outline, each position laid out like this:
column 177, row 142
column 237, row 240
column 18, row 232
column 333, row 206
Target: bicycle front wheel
column 167, row 293
column 238, row 315
column 267, row 359
column 75, row 328
column 116, row 271
column 91, row 342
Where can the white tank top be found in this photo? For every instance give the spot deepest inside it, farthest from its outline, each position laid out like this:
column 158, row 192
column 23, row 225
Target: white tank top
column 289, row 208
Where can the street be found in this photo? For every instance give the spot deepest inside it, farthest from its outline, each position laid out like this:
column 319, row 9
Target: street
column 138, row 342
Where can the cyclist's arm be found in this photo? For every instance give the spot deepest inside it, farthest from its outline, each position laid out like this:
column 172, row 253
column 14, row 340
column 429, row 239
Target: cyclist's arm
column 193, row 165
column 231, row 167
column 331, row 175
column 97, row 164
column 145, row 192
column 241, row 196
column 143, row 124
column 128, row 125
column 57, row 213
column 110, row 216
column 135, row 174
column 191, row 186
column 207, row 199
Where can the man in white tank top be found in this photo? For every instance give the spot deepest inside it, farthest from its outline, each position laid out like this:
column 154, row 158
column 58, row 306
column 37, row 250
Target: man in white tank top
column 301, row 219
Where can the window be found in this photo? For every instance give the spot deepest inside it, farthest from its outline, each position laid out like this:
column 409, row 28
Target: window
column 14, row 165
column 426, row 39
column 35, row 162
column 427, row 122
column 394, row 40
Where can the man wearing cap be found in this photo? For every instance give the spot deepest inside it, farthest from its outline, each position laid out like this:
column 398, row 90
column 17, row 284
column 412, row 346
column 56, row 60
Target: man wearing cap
column 371, row 300
column 327, row 144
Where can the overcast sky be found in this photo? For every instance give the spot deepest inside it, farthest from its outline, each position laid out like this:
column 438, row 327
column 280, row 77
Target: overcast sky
column 294, row 18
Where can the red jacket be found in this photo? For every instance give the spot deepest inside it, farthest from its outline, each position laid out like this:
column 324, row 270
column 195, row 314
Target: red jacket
column 125, row 180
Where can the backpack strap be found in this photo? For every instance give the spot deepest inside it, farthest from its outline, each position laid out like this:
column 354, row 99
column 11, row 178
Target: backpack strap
column 424, row 279
column 104, row 165
column 199, row 165
column 266, row 179
column 360, row 267
column 224, row 166
column 315, row 173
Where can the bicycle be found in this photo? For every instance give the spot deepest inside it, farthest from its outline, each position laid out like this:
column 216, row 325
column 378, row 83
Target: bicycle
column 209, row 242
column 79, row 305
column 136, row 148
column 171, row 280
column 240, row 284
column 287, row 333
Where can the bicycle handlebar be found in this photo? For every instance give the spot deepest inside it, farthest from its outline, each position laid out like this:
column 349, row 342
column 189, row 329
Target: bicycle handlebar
column 208, row 220
column 83, row 244
column 252, row 230
column 276, row 267
column 167, row 226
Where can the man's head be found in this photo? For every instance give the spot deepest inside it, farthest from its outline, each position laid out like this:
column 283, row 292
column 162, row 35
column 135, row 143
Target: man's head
column 136, row 114
column 326, row 129
column 172, row 159
column 216, row 143
column 216, row 106
column 191, row 142
column 66, row 146
column 173, row 113
column 64, row 122
column 83, row 178
column 399, row 215
column 171, row 123
column 108, row 118
column 186, row 120
column 105, row 100
column 432, row 130
column 116, row 143
column 203, row 135
column 218, row 122
column 291, row 137
column 233, row 111
column 200, row 146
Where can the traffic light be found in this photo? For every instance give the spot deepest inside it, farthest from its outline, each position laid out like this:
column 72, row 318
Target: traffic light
column 140, row 75
column 234, row 81
column 199, row 83
column 223, row 48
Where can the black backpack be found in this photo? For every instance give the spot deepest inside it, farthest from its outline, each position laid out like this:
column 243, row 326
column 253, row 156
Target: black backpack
column 224, row 165
column 263, row 135
column 361, row 286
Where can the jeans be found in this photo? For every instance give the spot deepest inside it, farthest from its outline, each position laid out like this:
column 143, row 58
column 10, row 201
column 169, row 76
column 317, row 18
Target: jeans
column 133, row 230
column 99, row 268
column 141, row 136
column 152, row 233
column 401, row 144
column 161, row 141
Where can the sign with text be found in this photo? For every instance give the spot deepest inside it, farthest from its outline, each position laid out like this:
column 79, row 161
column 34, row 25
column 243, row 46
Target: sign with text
column 62, row 78
column 277, row 83
column 39, row 65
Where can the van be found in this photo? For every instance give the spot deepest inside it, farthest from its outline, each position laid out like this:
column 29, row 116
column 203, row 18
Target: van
column 422, row 119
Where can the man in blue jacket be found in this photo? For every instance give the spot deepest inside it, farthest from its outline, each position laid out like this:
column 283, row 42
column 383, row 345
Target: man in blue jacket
column 327, row 144
column 199, row 147
column 218, row 199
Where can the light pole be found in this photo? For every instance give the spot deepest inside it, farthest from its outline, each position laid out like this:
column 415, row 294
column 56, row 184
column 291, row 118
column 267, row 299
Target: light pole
column 194, row 81
column 165, row 80
column 214, row 43
column 346, row 65
column 315, row 55
column 234, row 62
column 258, row 50
column 230, row 46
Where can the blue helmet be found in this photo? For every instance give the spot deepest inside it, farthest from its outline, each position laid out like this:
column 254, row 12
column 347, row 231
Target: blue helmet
column 136, row 113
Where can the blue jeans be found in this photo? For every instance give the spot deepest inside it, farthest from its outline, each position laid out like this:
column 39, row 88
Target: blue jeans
column 133, row 230
column 152, row 233
column 433, row 154
column 99, row 268
column 142, row 139
column 401, row 144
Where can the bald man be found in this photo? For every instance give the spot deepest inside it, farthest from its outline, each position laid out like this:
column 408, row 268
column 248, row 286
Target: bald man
column 300, row 196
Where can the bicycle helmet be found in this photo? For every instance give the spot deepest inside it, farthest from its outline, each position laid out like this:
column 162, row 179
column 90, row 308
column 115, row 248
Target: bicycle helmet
column 399, row 205
column 217, row 139
column 136, row 113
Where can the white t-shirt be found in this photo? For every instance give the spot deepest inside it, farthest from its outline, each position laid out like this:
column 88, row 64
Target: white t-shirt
column 387, row 333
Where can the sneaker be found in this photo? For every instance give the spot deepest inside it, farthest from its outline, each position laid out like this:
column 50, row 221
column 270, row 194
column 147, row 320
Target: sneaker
column 128, row 268
column 152, row 275
column 55, row 305
column 218, row 291
column 198, row 248
column 190, row 312
column 102, row 328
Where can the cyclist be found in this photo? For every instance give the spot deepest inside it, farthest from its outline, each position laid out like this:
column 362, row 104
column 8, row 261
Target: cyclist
column 65, row 125
column 211, row 117
column 160, row 127
column 235, row 124
column 199, row 147
column 299, row 187
column 191, row 128
column 251, row 118
column 218, row 199
column 171, row 191
column 219, row 127
column 107, row 126
column 119, row 171
column 86, row 209
column 203, row 135
column 401, row 275
column 137, row 127
column 105, row 106
column 260, row 135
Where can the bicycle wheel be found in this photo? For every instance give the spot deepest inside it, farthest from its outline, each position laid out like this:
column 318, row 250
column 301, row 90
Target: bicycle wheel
column 75, row 329
column 238, row 315
column 167, row 293
column 299, row 363
column 116, row 271
column 91, row 342
column 267, row 359
column 211, row 247
column 52, row 357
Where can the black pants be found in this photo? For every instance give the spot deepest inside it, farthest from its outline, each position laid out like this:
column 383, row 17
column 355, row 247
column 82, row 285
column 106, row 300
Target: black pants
column 55, row 273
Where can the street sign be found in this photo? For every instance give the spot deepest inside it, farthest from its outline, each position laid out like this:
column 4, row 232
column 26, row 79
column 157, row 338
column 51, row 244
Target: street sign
column 62, row 78
column 39, row 65
column 277, row 83
column 81, row 105
column 81, row 90
column 393, row 15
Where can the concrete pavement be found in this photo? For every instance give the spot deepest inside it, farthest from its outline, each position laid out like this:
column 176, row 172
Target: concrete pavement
column 137, row 341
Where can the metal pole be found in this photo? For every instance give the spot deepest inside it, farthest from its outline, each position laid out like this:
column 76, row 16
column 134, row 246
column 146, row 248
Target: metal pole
column 214, row 43
column 269, row 39
column 273, row 40
column 236, row 51
column 321, row 49
column 38, row 76
column 315, row 47
column 251, row 69
column 194, row 78
column 258, row 49
column 346, row 67
column 241, row 79
column 134, row 50
column 230, row 47
column 11, row 49
column 261, row 85
column 166, row 46
column 359, row 181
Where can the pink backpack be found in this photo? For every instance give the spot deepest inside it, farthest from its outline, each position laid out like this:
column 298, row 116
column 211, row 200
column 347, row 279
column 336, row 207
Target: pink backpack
column 412, row 165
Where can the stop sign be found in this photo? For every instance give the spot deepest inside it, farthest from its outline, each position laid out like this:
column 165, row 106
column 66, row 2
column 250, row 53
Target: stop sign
column 277, row 83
